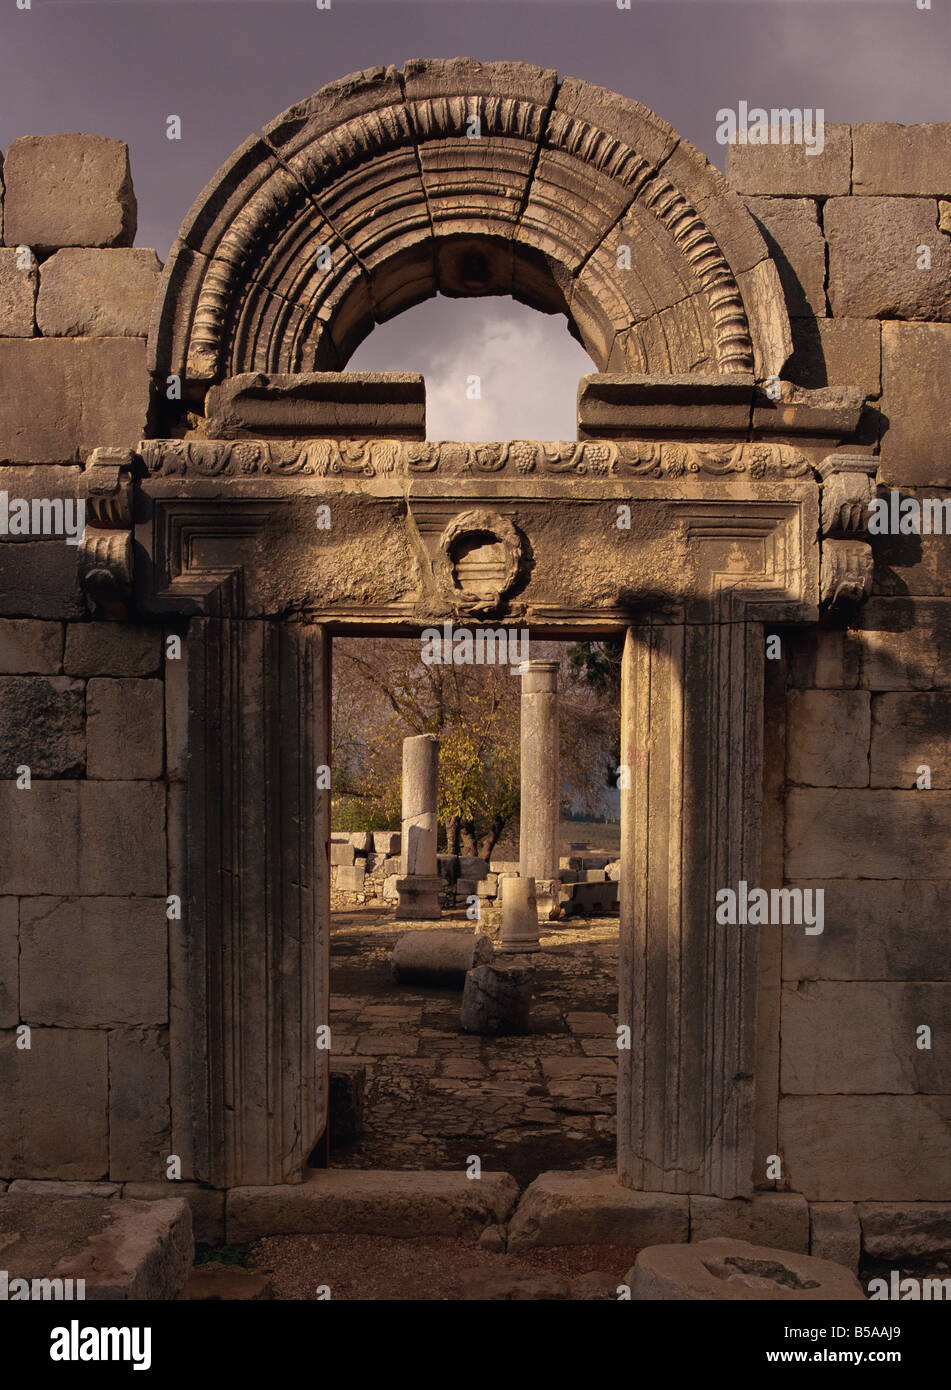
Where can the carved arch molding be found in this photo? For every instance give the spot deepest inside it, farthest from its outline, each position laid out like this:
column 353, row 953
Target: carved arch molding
column 740, row 513
column 467, row 178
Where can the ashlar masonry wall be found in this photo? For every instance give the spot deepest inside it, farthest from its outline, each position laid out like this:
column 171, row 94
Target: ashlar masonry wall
column 862, row 238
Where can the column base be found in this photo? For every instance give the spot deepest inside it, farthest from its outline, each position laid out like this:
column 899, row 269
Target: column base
column 418, row 898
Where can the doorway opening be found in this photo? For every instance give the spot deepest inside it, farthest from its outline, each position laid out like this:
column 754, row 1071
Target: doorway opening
column 410, row 1087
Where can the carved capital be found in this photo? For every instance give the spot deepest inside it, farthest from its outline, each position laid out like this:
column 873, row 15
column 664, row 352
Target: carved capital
column 846, row 572
column 847, row 492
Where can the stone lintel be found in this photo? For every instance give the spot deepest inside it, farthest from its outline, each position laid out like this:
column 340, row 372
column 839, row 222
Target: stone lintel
column 616, row 406
column 333, row 405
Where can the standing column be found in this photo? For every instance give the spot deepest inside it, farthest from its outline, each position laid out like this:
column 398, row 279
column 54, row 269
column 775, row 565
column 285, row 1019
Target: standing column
column 418, row 889
column 540, row 814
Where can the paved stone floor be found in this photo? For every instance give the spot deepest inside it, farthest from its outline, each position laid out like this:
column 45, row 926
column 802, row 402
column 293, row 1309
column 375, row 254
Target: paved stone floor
column 436, row 1095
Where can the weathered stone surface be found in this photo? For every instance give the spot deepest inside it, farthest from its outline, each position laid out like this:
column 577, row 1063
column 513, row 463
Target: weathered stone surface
column 341, row 853
column 55, row 407
column 866, row 1148
column 496, row 999
column 214, row 1281
column 906, row 1230
column 911, row 731
column 784, row 170
column 838, row 352
column 791, row 230
column 439, row 956
column 108, row 649
column 828, row 737
column 916, row 362
column 315, row 405
column 97, row 294
column 207, row 1205
column 874, row 254
column 124, row 728
column 40, row 579
column 41, row 726
column 736, row 1270
column 579, row 1208
column 824, row 658
column 397, row 1204
column 362, row 841
column 9, row 962
column 73, row 838
column 851, row 1038
column 875, row 930
column 351, row 878
column 866, row 833
column 347, row 1099
column 26, row 1187
column 93, row 962
column 30, row 648
column 835, row 1233
column 53, row 1122
column 139, row 1121
column 386, row 842
column 906, row 645
column 145, row 1251
column 68, row 190
column 777, row 1219
column 944, row 216
column 17, row 294
column 909, row 160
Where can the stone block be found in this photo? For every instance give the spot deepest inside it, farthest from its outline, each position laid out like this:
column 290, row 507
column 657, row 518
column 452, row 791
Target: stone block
column 112, row 649
column 57, row 406
column 865, row 833
column 390, row 890
column 145, row 1251
column 855, row 1037
column 874, row 255
column 68, row 190
column 26, row 1187
column 916, row 364
column 341, row 853
column 835, row 1233
column 97, row 294
column 93, row 962
column 53, row 1121
column 139, row 1116
column 736, row 1271
column 42, row 726
column 898, row 159
column 828, row 737
column 30, row 648
column 351, row 878
column 17, row 294
column 906, row 1230
column 73, row 838
column 824, row 658
column 906, row 644
column 496, row 999
column 776, row 1219
column 791, row 230
column 910, row 730
column 379, row 1203
column 837, row 352
column 9, row 962
column 386, row 842
column 866, row 1148
column 875, row 930
column 313, row 405
column 125, row 728
column 362, row 841
column 785, row 170
column 40, row 579
column 207, row 1206
column 585, row 1208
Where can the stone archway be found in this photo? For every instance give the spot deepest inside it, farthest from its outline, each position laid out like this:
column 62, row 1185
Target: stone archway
column 720, row 483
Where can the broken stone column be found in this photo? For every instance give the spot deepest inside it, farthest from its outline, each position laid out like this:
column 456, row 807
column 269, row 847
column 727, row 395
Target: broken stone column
column 419, row 886
column 519, row 915
column 540, row 780
column 435, row 957
column 496, row 999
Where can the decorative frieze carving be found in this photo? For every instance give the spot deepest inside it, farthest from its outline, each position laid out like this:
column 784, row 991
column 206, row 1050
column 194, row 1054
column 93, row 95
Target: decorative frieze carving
column 373, row 458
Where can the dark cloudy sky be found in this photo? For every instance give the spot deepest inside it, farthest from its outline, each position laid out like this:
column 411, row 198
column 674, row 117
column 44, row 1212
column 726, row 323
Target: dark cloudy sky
column 226, row 67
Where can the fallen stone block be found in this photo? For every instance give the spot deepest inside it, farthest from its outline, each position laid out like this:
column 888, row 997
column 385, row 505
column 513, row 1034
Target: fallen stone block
column 362, row 841
column 386, row 841
column 439, row 957
column 341, row 852
column 68, row 190
column 120, row 1249
column 580, row 1208
column 497, row 999
column 390, row 890
column 351, row 878
column 207, row 1205
column 373, row 1203
column 736, row 1270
